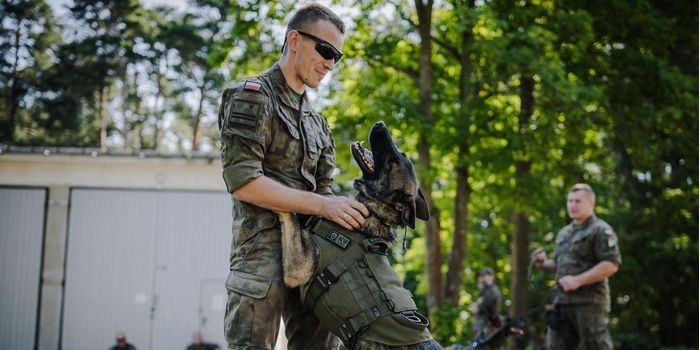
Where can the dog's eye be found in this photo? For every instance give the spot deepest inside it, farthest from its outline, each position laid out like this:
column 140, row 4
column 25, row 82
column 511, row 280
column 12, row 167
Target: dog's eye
column 399, row 207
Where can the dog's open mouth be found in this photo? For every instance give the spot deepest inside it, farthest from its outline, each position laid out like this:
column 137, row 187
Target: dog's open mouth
column 382, row 147
column 363, row 157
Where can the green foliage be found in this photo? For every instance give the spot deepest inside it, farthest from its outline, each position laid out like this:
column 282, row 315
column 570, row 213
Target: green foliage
column 571, row 138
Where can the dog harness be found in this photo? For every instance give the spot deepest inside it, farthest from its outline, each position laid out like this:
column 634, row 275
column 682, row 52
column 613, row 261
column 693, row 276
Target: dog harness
column 354, row 286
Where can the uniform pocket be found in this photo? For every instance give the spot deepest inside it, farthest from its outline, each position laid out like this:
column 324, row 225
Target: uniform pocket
column 581, row 246
column 247, row 284
column 288, row 120
column 250, row 321
column 314, row 134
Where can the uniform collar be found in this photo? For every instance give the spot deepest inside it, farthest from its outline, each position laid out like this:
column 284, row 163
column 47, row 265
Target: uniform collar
column 286, row 94
column 583, row 224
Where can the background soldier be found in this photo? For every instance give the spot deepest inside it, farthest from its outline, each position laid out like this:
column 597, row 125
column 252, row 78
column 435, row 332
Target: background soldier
column 586, row 255
column 278, row 154
column 122, row 344
column 487, row 306
column 199, row 344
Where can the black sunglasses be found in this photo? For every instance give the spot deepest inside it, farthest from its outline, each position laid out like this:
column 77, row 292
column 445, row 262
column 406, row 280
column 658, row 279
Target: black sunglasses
column 324, row 48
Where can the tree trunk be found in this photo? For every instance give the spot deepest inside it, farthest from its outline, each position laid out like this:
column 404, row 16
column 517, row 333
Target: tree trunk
column 102, row 118
column 461, row 212
column 197, row 130
column 521, row 225
column 459, row 240
column 12, row 97
column 157, row 110
column 518, row 285
column 432, row 235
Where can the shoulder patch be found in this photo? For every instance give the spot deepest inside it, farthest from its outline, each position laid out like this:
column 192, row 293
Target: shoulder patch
column 609, row 231
column 252, row 85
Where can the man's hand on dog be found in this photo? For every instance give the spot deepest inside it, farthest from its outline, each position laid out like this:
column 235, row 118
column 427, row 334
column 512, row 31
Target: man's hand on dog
column 345, row 212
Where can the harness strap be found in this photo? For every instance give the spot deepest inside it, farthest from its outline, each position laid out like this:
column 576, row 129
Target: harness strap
column 330, row 273
column 374, row 305
column 367, row 291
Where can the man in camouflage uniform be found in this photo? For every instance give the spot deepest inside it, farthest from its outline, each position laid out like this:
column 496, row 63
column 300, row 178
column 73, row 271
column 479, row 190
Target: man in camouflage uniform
column 486, row 308
column 278, row 155
column 586, row 255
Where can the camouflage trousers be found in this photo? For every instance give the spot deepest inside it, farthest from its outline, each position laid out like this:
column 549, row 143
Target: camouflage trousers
column 585, row 326
column 257, row 298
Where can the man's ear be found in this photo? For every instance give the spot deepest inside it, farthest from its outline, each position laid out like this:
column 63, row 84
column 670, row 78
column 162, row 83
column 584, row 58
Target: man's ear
column 422, row 211
column 292, row 40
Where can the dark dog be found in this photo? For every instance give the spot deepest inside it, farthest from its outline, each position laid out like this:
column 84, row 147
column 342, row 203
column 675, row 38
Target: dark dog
column 496, row 339
column 345, row 276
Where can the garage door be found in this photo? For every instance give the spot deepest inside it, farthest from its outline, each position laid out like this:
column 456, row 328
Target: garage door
column 146, row 263
column 22, row 213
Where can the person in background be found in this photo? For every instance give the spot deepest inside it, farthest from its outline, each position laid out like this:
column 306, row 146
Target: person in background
column 587, row 254
column 487, row 306
column 122, row 344
column 199, row 344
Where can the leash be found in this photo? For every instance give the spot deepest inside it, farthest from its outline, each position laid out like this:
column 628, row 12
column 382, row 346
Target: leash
column 404, row 245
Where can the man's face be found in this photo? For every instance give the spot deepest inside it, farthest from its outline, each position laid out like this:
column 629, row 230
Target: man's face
column 310, row 66
column 121, row 341
column 580, row 205
column 486, row 279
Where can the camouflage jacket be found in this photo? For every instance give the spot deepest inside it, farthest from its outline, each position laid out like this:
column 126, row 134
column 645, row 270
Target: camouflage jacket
column 579, row 248
column 266, row 130
column 489, row 302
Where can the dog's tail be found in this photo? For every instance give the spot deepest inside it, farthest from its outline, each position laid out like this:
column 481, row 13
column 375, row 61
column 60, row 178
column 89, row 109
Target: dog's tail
column 298, row 254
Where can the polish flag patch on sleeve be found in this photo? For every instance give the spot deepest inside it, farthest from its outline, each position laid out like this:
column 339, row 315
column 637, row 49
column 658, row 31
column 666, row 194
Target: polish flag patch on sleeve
column 252, row 85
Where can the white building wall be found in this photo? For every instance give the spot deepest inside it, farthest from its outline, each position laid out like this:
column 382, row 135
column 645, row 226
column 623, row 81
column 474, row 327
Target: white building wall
column 21, row 235
column 138, row 244
column 138, row 261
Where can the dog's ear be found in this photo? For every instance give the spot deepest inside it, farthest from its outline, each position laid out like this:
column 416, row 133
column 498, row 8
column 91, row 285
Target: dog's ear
column 360, row 186
column 422, row 211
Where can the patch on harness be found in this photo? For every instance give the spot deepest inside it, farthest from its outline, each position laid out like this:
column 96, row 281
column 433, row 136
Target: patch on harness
column 337, row 238
column 415, row 318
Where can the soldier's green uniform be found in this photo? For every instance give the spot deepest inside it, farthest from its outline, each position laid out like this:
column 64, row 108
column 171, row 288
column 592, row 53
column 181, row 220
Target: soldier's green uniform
column 268, row 129
column 488, row 303
column 583, row 313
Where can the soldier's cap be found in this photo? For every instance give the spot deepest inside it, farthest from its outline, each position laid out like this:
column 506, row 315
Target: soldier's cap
column 486, row 271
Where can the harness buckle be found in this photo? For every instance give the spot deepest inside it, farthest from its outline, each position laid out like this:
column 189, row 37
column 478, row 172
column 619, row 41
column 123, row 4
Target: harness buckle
column 391, row 305
column 325, row 279
column 311, row 222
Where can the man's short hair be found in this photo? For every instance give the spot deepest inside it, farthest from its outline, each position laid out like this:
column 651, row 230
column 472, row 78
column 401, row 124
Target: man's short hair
column 311, row 13
column 486, row 271
column 583, row 187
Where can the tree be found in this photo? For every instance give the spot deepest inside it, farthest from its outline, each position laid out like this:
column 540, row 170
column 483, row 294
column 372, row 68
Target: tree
column 25, row 40
column 105, row 36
